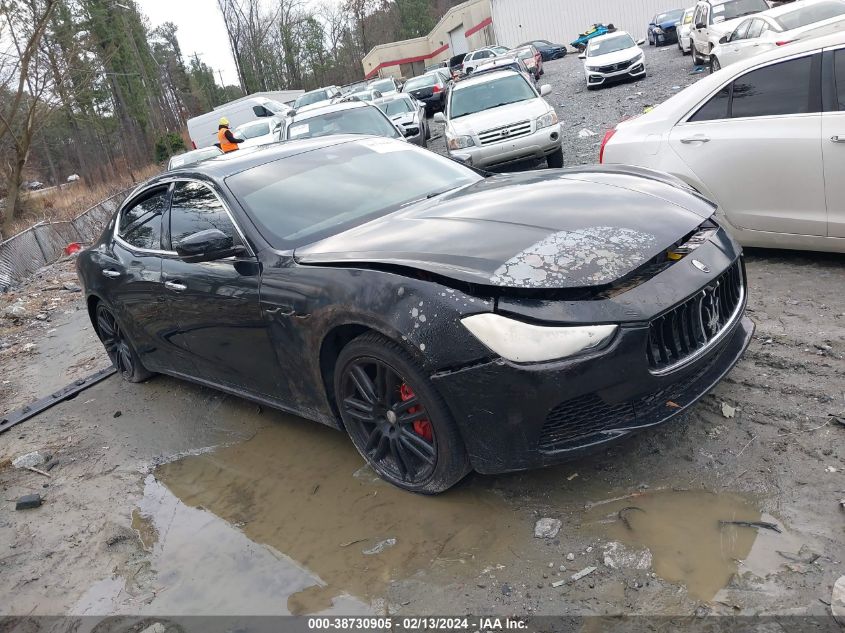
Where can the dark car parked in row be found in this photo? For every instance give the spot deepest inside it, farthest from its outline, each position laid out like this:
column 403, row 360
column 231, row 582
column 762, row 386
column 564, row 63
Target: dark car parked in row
column 430, row 89
column 547, row 50
column 459, row 321
column 663, row 28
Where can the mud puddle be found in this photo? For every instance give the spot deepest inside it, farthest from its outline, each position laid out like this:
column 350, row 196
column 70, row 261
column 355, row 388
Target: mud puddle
column 300, row 489
column 696, row 538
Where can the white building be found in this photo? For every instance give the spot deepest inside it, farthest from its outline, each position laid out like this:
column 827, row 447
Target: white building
column 560, row 21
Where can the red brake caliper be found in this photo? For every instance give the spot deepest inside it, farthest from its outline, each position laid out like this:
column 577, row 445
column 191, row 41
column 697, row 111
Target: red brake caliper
column 421, row 427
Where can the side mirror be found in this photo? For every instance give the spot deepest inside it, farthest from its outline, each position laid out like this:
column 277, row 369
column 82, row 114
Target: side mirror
column 582, row 56
column 439, row 117
column 640, row 42
column 724, row 39
column 206, row 246
column 545, row 89
column 700, row 24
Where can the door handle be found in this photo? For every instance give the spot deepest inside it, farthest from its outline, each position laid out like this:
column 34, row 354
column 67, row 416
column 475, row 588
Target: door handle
column 280, row 311
column 111, row 274
column 837, row 139
column 175, row 286
column 698, row 138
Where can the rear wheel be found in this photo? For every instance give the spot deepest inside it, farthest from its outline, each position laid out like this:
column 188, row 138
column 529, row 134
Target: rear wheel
column 395, row 417
column 555, row 159
column 715, row 66
column 118, row 347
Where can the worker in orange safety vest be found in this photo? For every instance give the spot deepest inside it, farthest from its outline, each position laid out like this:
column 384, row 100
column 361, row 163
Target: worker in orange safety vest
column 226, row 140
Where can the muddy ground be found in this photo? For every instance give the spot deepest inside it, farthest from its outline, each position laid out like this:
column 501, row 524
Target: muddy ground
column 168, row 498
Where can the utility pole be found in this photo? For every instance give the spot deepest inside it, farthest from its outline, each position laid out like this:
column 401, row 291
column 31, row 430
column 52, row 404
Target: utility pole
column 220, row 74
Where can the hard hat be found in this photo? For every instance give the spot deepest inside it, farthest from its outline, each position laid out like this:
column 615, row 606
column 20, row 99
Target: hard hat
column 224, row 121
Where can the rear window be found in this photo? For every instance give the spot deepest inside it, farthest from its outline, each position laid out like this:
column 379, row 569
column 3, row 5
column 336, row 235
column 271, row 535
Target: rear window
column 364, row 120
column 809, row 14
column 303, row 198
column 425, row 81
column 385, row 85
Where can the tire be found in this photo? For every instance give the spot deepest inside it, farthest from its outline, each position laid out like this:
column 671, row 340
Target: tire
column 715, row 66
column 696, row 60
column 423, row 454
column 119, row 348
column 650, row 41
column 555, row 159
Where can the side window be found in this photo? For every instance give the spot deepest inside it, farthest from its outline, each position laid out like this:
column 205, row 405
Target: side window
column 755, row 29
column 777, row 89
column 195, row 208
column 716, row 108
column 696, row 16
column 741, row 31
column 140, row 224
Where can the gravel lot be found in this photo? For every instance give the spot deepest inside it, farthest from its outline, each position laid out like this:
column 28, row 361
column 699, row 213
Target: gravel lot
column 600, row 110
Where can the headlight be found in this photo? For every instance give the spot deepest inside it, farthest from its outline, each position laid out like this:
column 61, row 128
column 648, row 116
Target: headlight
column 526, row 343
column 658, row 30
column 593, row 68
column 549, row 118
column 460, row 142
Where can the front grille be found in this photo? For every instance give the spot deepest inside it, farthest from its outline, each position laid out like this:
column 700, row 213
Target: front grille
column 680, row 333
column 504, row 133
column 612, row 68
column 581, row 417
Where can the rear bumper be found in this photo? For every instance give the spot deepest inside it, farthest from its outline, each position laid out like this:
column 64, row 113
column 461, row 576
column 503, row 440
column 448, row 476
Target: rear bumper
column 536, row 145
column 518, row 417
column 432, row 103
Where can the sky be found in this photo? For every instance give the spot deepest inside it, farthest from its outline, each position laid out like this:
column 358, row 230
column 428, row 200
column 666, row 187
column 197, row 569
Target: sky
column 200, row 30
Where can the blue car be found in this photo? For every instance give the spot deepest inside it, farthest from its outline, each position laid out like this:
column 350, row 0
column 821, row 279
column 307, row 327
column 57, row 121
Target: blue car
column 663, row 28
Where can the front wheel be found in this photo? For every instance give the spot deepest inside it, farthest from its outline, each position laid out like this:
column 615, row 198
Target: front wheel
column 121, row 353
column 715, row 66
column 555, row 159
column 696, row 60
column 396, row 418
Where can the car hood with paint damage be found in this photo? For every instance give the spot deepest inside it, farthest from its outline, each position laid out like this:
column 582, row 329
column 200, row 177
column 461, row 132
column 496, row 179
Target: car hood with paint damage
column 545, row 229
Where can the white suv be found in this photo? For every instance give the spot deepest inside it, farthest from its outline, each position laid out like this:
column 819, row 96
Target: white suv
column 499, row 117
column 713, row 19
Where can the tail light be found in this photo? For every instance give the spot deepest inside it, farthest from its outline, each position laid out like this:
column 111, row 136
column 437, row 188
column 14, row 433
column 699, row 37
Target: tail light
column 436, row 89
column 782, row 42
column 607, row 136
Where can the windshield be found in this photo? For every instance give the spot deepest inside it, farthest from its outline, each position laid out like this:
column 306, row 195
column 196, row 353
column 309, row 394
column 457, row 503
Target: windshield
column 366, row 95
column 363, row 120
column 669, row 16
column 688, row 16
column 303, row 198
column 397, row 106
column 809, row 14
column 525, row 53
column 275, row 106
column 610, row 45
column 192, row 157
column 426, row 81
column 251, row 130
column 736, row 9
column 489, row 94
column 312, row 97
column 385, row 85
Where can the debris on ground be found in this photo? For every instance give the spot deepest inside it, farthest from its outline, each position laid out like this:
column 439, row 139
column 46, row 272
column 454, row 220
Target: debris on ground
column 570, row 556
column 728, row 411
column 546, row 528
column 755, row 524
column 27, row 502
column 71, row 287
column 585, row 133
column 558, row 583
column 584, row 572
column 29, row 460
column 15, row 311
column 379, row 547
column 617, row 556
column 623, row 515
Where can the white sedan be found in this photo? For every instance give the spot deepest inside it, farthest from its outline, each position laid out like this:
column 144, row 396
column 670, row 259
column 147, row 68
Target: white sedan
column 613, row 57
column 768, row 30
column 763, row 138
column 259, row 132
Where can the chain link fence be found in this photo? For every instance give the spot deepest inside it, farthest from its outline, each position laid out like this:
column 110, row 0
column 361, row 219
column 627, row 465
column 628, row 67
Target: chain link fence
column 23, row 254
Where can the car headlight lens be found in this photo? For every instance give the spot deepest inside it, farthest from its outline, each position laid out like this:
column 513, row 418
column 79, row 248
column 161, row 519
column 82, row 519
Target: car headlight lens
column 658, row 30
column 527, row 343
column 548, row 119
column 592, row 68
column 460, row 142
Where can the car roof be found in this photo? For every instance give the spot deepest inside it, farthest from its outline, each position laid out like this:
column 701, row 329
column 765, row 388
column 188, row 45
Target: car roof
column 484, row 78
column 787, row 8
column 610, row 36
column 325, row 109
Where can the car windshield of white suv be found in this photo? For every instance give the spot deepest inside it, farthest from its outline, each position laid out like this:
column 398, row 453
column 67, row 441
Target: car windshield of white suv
column 397, row 106
column 489, row 94
column 809, row 14
column 251, row 130
column 736, row 9
column 311, row 97
column 610, row 45
column 424, row 81
column 385, row 85
column 301, row 199
column 364, row 120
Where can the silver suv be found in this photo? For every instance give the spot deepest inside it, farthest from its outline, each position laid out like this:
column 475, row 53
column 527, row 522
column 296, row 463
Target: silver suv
column 499, row 117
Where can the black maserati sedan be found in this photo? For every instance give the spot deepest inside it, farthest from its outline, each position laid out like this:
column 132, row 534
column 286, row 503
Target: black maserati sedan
column 446, row 319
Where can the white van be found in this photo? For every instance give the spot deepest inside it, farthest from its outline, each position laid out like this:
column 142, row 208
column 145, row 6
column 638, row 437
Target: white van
column 203, row 128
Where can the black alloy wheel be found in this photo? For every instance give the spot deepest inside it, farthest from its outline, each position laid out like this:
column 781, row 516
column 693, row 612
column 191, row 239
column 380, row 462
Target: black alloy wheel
column 395, row 417
column 120, row 350
column 715, row 66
